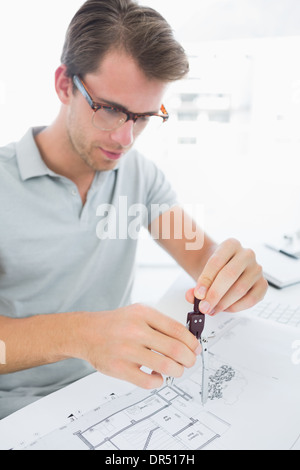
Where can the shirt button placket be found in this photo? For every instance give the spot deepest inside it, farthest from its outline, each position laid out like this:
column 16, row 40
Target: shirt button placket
column 76, row 200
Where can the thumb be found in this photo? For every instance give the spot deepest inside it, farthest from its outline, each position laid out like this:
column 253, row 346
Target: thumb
column 201, row 289
column 190, row 296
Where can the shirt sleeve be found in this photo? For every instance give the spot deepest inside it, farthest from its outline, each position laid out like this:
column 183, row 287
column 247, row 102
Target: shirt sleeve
column 160, row 196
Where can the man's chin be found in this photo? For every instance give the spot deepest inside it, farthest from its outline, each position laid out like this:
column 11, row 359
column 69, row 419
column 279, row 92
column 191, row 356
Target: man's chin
column 103, row 166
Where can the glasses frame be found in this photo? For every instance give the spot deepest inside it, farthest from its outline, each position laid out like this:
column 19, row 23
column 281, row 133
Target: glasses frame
column 81, row 86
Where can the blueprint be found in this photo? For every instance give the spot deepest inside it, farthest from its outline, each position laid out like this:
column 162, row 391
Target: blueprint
column 245, row 394
column 162, row 419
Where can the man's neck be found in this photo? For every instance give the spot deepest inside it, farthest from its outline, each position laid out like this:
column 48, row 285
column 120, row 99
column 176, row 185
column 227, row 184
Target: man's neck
column 59, row 157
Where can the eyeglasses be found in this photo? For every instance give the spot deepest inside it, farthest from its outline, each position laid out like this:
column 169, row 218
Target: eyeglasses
column 109, row 118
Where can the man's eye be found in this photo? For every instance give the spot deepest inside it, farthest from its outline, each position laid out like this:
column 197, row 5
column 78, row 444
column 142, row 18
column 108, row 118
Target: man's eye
column 111, row 111
column 144, row 118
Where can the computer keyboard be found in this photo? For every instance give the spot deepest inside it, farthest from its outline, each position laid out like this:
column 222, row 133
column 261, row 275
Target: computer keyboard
column 276, row 312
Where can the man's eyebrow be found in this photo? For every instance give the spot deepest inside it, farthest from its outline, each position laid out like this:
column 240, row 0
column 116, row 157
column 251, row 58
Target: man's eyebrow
column 110, row 103
column 120, row 106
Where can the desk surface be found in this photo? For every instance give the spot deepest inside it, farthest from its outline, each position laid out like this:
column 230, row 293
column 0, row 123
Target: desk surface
column 52, row 411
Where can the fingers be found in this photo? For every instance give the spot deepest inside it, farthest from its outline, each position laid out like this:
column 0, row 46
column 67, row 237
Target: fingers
column 214, row 266
column 254, row 295
column 161, row 364
column 176, row 354
column 170, row 328
column 231, row 280
column 143, row 337
column 132, row 373
column 169, row 350
column 128, row 369
column 190, row 295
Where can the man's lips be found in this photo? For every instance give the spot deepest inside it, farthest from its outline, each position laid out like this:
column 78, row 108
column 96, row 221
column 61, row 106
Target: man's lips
column 111, row 155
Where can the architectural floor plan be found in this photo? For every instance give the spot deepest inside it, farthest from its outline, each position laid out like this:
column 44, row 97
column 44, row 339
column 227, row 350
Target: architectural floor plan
column 167, row 418
column 245, row 394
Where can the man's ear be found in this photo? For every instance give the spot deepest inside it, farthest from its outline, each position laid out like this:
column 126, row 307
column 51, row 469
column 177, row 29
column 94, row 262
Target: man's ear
column 63, row 84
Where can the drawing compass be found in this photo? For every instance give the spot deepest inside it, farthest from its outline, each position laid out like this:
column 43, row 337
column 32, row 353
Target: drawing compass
column 196, row 324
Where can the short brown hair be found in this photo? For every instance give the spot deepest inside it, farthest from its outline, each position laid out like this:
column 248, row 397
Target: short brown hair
column 100, row 26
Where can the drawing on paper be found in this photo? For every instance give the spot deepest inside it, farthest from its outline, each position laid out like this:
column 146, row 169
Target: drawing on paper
column 167, row 418
column 174, row 418
column 216, row 381
column 225, row 382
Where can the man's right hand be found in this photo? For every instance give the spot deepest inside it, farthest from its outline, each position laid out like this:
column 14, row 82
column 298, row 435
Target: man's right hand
column 118, row 343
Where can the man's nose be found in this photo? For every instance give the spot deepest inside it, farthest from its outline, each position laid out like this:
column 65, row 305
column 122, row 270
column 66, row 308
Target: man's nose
column 124, row 135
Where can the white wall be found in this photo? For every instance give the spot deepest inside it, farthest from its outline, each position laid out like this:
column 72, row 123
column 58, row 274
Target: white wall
column 245, row 174
column 31, row 39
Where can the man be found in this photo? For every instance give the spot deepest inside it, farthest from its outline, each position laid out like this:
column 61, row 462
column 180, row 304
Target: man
column 64, row 284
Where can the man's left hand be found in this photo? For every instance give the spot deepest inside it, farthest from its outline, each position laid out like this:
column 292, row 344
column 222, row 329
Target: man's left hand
column 231, row 280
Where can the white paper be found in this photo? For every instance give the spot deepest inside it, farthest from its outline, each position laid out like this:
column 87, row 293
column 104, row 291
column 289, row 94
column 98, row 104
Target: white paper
column 253, row 402
column 254, row 398
column 279, row 269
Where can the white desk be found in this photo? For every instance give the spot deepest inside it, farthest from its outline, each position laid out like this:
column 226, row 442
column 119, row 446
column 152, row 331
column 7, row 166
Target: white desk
column 52, row 411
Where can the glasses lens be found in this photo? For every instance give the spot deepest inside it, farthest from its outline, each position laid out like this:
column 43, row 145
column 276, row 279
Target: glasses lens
column 107, row 119
column 149, row 123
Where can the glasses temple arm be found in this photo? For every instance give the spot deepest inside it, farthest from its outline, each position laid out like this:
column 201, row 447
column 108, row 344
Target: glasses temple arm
column 80, row 86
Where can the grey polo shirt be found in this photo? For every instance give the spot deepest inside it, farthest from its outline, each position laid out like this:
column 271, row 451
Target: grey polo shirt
column 59, row 256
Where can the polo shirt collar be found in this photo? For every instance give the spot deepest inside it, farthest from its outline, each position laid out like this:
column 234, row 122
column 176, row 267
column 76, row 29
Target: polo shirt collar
column 29, row 158
column 30, row 162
